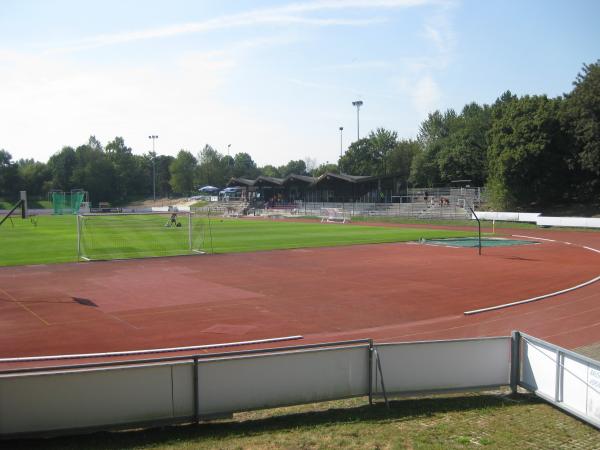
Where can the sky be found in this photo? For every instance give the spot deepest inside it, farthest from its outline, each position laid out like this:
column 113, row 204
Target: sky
column 275, row 79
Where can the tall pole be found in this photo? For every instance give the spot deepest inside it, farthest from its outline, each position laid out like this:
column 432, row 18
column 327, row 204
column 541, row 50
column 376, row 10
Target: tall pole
column 153, row 137
column 358, row 104
column 228, row 147
column 341, row 147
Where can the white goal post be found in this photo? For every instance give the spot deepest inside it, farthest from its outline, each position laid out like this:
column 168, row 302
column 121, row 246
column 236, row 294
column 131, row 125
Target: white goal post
column 334, row 215
column 139, row 235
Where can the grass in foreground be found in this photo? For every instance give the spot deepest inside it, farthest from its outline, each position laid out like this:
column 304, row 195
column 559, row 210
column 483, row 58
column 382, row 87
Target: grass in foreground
column 443, row 422
column 54, row 238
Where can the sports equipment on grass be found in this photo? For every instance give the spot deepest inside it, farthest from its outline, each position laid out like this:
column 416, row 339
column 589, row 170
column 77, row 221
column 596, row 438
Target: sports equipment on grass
column 63, row 203
column 139, row 235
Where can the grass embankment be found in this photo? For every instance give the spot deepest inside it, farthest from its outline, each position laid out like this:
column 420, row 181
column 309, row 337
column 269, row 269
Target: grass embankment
column 445, row 422
column 54, row 238
column 31, row 204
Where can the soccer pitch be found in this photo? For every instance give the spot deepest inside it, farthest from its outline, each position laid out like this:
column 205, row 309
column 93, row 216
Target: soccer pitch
column 53, row 239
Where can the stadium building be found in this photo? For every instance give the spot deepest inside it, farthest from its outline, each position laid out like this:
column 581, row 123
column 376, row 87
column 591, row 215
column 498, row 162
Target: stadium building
column 329, row 187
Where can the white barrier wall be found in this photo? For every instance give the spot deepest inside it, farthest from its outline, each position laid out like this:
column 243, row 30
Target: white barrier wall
column 266, row 381
column 583, row 222
column 92, row 398
column 445, row 365
column 103, row 397
column 508, row 216
column 537, row 218
column 565, row 379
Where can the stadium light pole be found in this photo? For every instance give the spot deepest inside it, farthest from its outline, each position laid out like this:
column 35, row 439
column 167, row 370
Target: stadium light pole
column 358, row 104
column 153, row 137
column 341, row 147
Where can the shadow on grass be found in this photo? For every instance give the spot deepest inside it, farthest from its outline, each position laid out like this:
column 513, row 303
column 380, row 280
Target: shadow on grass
column 286, row 420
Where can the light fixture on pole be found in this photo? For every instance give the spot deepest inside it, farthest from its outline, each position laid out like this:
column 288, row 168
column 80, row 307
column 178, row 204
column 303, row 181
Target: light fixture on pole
column 153, row 137
column 358, row 104
column 228, row 147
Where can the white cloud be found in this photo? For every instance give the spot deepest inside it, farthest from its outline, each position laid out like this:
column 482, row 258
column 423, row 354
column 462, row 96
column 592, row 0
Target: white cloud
column 426, row 95
column 50, row 102
column 56, row 99
column 356, row 65
column 294, row 13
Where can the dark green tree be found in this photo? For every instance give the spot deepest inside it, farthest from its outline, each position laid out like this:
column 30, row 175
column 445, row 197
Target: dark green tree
column 9, row 176
column 95, row 173
column 270, row 171
column 325, row 168
column 128, row 172
column 213, row 168
column 293, row 167
column 244, row 166
column 400, row 158
column 61, row 165
column 183, row 169
column 33, row 177
column 433, row 138
column 527, row 153
column 463, row 152
column 581, row 119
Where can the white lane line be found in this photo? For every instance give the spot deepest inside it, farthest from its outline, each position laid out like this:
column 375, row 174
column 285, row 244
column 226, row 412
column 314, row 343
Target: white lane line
column 533, row 299
column 532, row 237
column 540, row 297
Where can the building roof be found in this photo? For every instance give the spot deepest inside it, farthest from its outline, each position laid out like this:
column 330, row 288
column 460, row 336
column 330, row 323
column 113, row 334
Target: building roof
column 263, row 180
column 343, row 177
column 304, row 178
column 240, row 182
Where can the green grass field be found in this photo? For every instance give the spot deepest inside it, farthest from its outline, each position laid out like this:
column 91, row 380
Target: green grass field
column 54, row 238
column 462, row 421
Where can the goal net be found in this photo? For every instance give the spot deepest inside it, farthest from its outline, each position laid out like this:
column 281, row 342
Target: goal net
column 123, row 236
column 63, row 203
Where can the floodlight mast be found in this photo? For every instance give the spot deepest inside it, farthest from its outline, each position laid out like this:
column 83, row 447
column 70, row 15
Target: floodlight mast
column 341, row 147
column 153, row 137
column 358, row 104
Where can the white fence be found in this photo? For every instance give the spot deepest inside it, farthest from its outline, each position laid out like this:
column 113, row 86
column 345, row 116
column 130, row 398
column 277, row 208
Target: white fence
column 537, row 218
column 414, row 208
column 566, row 379
column 184, row 389
column 100, row 396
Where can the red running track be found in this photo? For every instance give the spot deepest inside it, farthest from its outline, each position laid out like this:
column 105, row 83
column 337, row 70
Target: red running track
column 397, row 292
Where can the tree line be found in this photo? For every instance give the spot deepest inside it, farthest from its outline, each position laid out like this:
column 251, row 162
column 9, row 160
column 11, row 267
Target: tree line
column 528, row 151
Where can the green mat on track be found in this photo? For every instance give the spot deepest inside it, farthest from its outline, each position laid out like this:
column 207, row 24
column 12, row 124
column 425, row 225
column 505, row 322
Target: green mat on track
column 474, row 242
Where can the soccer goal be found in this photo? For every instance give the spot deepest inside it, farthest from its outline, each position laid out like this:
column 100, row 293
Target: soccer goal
column 140, row 235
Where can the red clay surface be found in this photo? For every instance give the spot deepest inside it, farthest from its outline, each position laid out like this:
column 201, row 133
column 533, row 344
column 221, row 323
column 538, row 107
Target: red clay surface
column 389, row 292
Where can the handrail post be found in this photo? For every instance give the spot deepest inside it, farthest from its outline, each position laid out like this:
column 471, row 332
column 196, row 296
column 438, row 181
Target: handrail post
column 196, row 391
column 370, row 371
column 515, row 360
